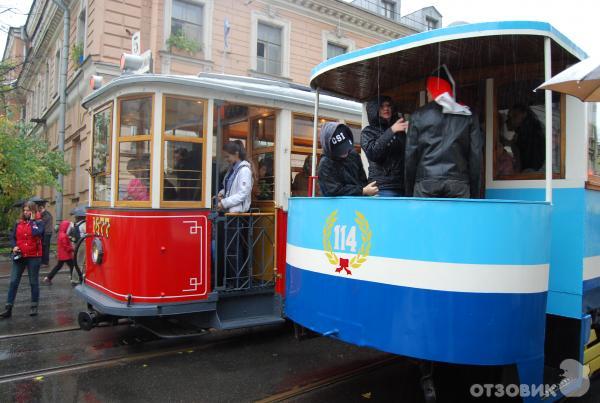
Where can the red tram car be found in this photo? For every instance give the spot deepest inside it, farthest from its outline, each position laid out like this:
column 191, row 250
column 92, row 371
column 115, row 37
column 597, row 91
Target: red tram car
column 156, row 251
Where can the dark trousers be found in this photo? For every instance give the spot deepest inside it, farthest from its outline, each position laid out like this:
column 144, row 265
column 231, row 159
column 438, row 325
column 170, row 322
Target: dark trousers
column 33, row 270
column 46, row 248
column 59, row 266
column 445, row 188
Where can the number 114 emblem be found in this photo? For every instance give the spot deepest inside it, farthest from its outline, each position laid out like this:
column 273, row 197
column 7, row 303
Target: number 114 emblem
column 344, row 241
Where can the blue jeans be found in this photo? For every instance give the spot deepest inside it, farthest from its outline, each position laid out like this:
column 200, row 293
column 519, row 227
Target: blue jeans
column 389, row 193
column 33, row 270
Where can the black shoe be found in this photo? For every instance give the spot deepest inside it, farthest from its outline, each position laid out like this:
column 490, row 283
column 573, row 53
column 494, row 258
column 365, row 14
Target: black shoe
column 33, row 311
column 7, row 312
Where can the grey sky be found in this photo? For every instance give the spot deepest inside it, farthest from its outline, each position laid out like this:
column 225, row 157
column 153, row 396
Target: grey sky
column 577, row 19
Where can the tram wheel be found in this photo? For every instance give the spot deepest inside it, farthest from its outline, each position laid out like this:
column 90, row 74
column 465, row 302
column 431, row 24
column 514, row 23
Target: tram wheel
column 428, row 389
column 86, row 320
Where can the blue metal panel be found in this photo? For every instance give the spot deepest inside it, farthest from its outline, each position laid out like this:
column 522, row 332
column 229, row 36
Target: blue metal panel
column 460, row 327
column 463, row 231
column 566, row 262
column 592, row 223
column 591, row 287
column 477, row 29
column 466, row 328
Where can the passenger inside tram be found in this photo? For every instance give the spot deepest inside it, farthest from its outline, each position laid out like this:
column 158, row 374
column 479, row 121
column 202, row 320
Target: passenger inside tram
column 137, row 189
column 383, row 142
column 300, row 181
column 529, row 138
column 521, row 131
column 444, row 145
column 266, row 181
column 340, row 170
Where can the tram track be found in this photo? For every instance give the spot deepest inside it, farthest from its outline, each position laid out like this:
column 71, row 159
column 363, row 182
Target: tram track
column 104, row 362
column 300, row 390
column 39, row 332
column 183, row 346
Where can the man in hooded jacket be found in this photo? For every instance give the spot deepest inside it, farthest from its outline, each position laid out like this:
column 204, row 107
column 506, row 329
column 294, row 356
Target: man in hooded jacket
column 444, row 145
column 383, row 142
column 340, row 170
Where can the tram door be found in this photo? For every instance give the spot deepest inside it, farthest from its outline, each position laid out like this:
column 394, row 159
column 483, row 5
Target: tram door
column 246, row 254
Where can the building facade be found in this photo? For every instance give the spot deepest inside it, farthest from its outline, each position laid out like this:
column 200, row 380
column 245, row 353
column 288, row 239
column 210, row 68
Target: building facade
column 278, row 39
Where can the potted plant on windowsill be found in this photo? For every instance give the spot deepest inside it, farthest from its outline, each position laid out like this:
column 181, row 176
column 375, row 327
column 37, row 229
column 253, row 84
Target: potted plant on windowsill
column 179, row 43
column 77, row 54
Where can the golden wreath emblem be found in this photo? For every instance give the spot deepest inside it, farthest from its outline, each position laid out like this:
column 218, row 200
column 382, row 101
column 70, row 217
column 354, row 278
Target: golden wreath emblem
column 365, row 249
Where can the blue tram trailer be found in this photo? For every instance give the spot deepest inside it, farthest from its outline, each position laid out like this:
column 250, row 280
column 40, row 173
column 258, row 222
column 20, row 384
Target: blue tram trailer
column 510, row 279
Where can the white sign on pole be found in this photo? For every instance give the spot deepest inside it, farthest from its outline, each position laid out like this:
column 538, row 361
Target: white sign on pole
column 135, row 43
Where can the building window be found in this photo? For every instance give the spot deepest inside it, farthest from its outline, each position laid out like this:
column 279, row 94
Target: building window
column 334, row 50
column 183, row 149
column 520, row 135
column 47, row 84
column 56, row 69
column 101, row 147
column 134, row 148
column 389, row 9
column 268, row 49
column 432, row 23
column 593, row 144
column 187, row 20
column 81, row 25
column 76, row 145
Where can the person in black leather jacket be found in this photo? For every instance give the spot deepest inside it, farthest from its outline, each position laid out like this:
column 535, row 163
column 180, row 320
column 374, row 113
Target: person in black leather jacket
column 340, row 170
column 383, row 142
column 444, row 146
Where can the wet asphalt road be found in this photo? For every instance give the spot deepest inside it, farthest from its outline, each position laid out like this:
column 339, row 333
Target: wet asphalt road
column 126, row 364
column 241, row 365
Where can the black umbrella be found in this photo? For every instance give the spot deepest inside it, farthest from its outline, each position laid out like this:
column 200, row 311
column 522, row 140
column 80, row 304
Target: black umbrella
column 19, row 203
column 38, row 200
column 79, row 211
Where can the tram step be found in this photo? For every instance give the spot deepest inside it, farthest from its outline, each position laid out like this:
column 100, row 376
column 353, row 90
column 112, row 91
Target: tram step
column 252, row 321
column 169, row 329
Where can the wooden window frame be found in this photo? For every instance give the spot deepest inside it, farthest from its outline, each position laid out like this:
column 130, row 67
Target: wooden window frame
column 530, row 176
column 108, row 172
column 128, row 139
column 254, row 151
column 202, row 140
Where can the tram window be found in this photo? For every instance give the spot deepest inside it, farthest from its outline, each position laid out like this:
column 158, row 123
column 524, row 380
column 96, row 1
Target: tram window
column 263, row 148
column 593, row 144
column 303, row 129
column 266, row 177
column 301, row 162
column 263, row 132
column 135, row 117
column 519, row 151
column 183, row 149
column 182, row 180
column 134, row 171
column 184, row 117
column 101, row 144
column 301, row 170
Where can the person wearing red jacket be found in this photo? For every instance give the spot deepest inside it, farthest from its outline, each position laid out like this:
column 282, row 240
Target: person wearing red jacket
column 64, row 252
column 26, row 242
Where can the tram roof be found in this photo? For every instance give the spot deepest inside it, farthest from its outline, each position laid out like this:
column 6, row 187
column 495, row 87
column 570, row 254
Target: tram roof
column 227, row 84
column 363, row 73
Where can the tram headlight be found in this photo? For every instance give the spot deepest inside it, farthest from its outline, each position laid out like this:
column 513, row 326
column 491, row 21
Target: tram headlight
column 97, row 251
